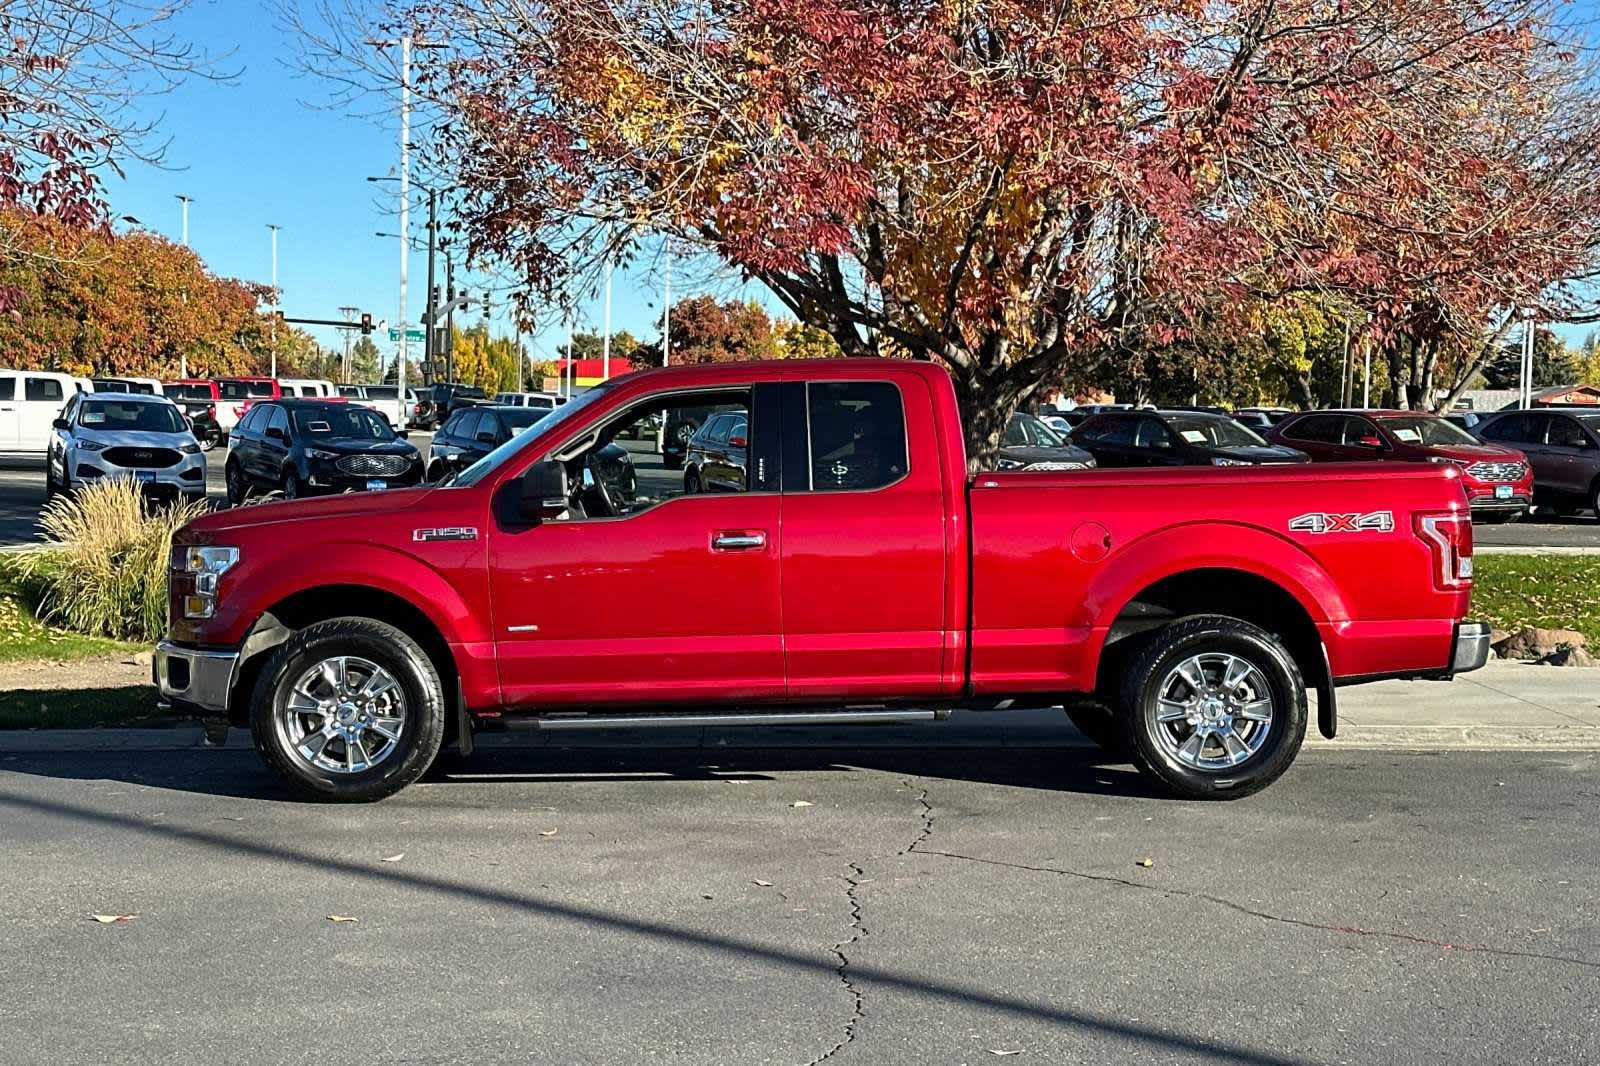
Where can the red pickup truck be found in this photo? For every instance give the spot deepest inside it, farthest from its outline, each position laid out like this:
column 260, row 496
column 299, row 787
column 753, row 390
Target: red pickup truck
column 848, row 569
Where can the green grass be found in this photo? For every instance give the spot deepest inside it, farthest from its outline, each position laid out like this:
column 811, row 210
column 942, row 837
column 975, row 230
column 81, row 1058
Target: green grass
column 84, row 708
column 1548, row 591
column 23, row 636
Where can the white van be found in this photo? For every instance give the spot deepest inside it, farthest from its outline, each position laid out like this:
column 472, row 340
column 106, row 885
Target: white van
column 30, row 402
column 313, row 387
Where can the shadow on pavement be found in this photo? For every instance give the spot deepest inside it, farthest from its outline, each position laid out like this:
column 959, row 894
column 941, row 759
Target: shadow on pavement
column 238, row 772
column 934, row 991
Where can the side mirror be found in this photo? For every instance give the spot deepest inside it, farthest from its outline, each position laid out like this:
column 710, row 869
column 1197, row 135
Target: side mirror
column 403, row 434
column 61, row 423
column 544, row 490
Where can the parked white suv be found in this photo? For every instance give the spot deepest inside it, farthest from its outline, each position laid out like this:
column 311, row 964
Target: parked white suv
column 29, row 401
column 111, row 434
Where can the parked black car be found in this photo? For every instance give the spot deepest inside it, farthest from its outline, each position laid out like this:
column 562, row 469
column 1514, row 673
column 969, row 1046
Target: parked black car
column 311, row 447
column 681, row 426
column 718, row 454
column 1030, row 444
column 473, row 432
column 1177, row 438
column 442, row 400
column 1562, row 446
column 197, row 400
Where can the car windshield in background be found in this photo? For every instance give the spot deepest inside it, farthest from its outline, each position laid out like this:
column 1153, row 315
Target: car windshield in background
column 1027, row 431
column 561, row 415
column 520, row 418
column 1215, row 431
column 113, row 416
column 244, row 390
column 355, row 423
column 1427, row 430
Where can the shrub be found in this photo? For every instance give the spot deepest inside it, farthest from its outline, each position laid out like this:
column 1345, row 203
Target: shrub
column 104, row 572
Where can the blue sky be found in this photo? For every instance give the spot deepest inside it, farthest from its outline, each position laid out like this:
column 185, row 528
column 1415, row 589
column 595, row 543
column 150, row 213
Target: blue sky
column 254, row 152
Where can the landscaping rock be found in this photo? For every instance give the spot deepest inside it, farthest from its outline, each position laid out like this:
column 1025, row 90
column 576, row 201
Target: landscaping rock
column 1533, row 643
column 1570, row 655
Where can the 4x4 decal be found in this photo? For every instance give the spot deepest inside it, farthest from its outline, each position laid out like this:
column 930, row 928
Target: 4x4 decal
column 1317, row 522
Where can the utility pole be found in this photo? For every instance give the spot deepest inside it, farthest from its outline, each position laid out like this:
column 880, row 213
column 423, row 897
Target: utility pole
column 1366, row 373
column 277, row 303
column 428, row 352
column 605, row 341
column 1346, row 378
column 449, row 319
column 1527, row 358
column 666, row 321
column 186, row 201
column 570, row 368
column 344, row 367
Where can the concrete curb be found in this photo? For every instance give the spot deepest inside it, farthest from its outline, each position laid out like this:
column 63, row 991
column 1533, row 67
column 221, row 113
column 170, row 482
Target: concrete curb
column 1532, row 549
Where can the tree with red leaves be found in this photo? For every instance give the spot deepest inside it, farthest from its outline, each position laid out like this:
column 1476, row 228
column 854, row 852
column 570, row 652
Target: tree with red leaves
column 1026, row 191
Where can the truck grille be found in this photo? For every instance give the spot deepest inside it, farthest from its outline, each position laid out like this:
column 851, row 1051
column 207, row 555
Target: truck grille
column 373, row 465
column 1497, row 471
column 142, row 458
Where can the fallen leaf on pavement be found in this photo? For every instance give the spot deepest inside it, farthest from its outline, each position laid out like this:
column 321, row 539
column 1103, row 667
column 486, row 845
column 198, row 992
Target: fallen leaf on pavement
column 802, row 803
column 393, row 858
column 548, row 832
column 1146, row 863
column 998, row 1051
column 109, row 919
column 762, row 884
column 341, row 918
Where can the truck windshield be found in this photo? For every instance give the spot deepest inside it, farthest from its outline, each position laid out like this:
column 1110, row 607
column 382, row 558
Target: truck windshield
column 495, row 459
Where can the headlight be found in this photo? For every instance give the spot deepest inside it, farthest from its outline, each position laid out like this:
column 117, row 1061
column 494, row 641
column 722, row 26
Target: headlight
column 207, row 562
column 189, row 449
column 91, row 445
column 1220, row 461
column 318, row 453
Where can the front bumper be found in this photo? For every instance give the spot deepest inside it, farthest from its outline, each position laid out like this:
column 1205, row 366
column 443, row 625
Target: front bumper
column 1471, row 648
column 195, row 677
column 186, row 476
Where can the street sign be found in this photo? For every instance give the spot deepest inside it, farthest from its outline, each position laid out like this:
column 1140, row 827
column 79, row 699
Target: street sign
column 411, row 334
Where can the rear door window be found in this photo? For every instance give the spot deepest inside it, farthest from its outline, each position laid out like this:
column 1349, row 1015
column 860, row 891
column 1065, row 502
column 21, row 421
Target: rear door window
column 1515, row 429
column 1566, row 433
column 1320, row 429
column 1120, row 431
column 857, row 435
column 278, row 420
column 467, row 428
column 1152, row 434
column 8, row 388
column 45, row 390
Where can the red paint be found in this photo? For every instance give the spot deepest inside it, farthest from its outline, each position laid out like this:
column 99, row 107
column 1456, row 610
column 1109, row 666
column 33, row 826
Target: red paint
column 852, row 595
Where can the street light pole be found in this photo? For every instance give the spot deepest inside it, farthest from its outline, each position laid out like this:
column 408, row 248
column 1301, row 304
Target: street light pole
column 428, row 350
column 605, row 341
column 277, row 302
column 666, row 321
column 186, row 201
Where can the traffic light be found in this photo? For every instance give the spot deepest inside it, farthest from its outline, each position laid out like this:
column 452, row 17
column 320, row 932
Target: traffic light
column 366, row 325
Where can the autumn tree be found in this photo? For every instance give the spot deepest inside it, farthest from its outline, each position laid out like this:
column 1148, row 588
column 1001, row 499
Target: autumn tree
column 705, row 330
column 1553, row 364
column 1024, row 190
column 365, row 360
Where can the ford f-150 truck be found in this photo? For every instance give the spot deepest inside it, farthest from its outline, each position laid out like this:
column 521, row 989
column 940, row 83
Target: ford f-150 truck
column 861, row 574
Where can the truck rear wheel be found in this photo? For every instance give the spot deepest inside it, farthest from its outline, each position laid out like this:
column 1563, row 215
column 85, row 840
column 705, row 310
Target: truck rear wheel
column 1214, row 708
column 348, row 710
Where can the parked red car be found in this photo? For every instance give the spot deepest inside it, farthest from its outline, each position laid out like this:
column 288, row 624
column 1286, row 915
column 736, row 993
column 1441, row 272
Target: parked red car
column 857, row 575
column 1498, row 480
column 239, row 393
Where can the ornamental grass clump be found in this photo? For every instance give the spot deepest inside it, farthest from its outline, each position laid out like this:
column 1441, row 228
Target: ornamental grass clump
column 104, row 572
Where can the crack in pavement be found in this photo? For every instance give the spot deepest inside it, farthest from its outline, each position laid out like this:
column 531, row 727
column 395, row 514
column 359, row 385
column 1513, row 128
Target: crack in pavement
column 927, row 819
column 1301, row 923
column 852, row 882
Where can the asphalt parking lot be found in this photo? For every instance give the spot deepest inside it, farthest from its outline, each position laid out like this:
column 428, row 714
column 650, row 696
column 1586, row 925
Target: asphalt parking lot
column 874, row 905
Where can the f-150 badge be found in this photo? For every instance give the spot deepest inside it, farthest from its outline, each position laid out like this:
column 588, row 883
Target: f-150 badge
column 446, row 533
column 1317, row 522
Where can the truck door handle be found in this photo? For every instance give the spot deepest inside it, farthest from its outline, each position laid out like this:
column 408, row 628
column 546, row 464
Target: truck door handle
column 738, row 540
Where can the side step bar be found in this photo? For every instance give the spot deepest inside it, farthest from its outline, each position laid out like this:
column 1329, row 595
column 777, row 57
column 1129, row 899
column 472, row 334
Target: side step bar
column 667, row 720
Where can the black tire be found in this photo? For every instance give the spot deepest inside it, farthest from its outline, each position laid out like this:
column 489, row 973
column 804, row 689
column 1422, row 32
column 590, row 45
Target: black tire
column 52, row 488
column 292, row 489
column 237, row 486
column 420, row 734
column 1101, row 725
column 1594, row 497
column 1213, row 635
column 691, row 482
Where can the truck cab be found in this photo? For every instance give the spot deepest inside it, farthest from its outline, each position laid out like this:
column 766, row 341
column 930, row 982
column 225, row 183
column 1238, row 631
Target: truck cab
column 857, row 573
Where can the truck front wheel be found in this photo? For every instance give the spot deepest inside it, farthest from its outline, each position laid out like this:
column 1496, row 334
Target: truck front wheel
column 1214, row 708
column 348, row 710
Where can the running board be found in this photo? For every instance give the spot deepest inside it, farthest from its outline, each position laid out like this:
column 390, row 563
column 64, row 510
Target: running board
column 669, row 720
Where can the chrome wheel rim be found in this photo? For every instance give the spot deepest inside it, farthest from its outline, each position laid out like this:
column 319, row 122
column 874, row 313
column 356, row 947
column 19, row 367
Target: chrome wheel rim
column 343, row 715
column 1213, row 711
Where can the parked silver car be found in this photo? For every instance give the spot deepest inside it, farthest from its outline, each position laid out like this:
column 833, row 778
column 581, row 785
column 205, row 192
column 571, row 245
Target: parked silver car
column 102, row 435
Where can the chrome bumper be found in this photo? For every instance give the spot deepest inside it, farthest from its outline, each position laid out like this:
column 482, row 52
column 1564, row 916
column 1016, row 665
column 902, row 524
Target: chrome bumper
column 193, row 677
column 1471, row 647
